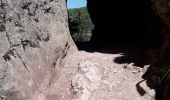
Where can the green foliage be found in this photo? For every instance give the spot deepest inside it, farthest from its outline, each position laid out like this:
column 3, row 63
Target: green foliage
column 80, row 24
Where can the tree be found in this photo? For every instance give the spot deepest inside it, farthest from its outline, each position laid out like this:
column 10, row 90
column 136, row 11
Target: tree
column 80, row 24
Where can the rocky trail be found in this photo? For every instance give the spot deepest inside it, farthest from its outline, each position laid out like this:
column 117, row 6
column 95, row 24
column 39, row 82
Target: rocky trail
column 96, row 76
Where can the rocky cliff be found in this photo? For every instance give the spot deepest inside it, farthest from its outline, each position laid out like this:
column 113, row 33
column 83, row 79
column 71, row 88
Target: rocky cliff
column 34, row 38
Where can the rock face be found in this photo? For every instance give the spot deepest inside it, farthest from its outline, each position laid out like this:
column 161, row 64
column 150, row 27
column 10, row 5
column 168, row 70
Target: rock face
column 161, row 66
column 34, row 38
column 162, row 10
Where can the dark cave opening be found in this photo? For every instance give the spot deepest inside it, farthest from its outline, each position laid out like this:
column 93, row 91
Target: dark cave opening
column 122, row 24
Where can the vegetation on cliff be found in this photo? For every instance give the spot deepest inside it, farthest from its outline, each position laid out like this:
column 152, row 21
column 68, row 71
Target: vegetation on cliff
column 80, row 24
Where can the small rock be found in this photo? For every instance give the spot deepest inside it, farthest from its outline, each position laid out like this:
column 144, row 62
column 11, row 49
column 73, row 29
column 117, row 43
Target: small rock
column 115, row 70
column 135, row 72
column 77, row 84
column 145, row 68
column 130, row 66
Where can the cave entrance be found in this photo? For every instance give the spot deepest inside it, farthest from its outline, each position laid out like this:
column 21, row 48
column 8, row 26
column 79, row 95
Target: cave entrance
column 121, row 23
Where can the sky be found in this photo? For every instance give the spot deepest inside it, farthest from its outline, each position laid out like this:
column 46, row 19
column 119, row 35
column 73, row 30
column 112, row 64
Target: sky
column 76, row 3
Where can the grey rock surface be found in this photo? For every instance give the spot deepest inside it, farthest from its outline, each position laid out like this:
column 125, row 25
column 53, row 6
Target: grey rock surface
column 34, row 35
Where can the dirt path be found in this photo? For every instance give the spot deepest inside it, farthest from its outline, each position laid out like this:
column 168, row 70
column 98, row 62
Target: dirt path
column 96, row 76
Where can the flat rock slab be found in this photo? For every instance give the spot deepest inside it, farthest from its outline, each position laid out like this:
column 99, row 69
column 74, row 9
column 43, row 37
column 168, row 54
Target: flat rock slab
column 95, row 76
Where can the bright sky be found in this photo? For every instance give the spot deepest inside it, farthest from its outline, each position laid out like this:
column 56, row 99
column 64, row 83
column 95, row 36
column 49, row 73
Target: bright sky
column 76, row 3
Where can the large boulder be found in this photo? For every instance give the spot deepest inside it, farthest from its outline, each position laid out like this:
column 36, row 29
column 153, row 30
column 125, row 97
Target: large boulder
column 34, row 35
